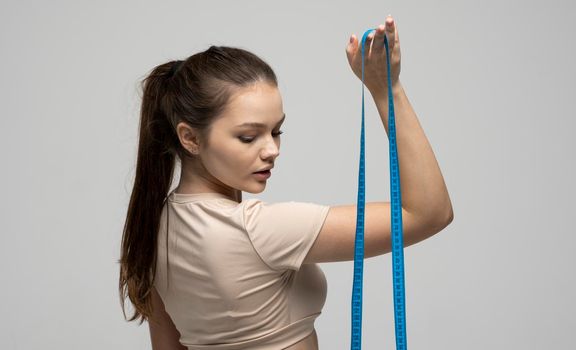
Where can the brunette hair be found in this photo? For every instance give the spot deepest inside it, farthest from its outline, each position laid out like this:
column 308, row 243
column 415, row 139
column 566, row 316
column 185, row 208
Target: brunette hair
column 194, row 91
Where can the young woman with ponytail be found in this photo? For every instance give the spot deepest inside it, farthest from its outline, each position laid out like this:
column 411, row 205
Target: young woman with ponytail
column 209, row 270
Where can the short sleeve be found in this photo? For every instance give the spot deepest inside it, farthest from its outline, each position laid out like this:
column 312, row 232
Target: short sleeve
column 282, row 233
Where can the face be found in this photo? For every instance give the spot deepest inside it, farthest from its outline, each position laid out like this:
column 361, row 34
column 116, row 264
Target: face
column 244, row 139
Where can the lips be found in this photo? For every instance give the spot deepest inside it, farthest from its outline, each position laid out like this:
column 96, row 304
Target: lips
column 263, row 170
column 263, row 175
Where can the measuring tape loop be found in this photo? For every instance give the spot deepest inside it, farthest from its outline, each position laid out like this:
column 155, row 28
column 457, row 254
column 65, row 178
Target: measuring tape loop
column 396, row 225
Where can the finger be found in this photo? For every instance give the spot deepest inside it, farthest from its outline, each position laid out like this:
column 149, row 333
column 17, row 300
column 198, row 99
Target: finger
column 396, row 35
column 353, row 51
column 369, row 44
column 351, row 47
column 378, row 45
column 365, row 45
column 390, row 31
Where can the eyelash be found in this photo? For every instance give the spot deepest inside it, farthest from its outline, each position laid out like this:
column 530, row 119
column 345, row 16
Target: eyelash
column 252, row 139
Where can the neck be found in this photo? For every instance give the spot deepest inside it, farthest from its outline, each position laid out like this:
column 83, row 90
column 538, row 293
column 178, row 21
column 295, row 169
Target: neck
column 194, row 178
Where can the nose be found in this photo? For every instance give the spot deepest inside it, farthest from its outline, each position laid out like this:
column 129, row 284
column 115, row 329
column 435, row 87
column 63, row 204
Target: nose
column 271, row 150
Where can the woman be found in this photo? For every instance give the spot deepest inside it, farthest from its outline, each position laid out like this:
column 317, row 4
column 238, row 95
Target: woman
column 209, row 270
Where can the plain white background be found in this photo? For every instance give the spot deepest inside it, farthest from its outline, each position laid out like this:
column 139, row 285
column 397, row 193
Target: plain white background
column 492, row 83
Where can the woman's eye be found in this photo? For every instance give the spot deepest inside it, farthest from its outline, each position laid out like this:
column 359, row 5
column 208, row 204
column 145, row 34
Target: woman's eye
column 245, row 140
column 248, row 139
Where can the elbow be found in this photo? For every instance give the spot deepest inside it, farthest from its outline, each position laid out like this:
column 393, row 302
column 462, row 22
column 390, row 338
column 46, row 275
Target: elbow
column 442, row 220
column 436, row 215
column 450, row 216
column 446, row 216
column 438, row 223
column 436, row 219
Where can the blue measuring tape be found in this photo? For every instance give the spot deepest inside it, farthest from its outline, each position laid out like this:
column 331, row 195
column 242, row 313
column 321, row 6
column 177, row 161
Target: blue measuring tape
column 396, row 223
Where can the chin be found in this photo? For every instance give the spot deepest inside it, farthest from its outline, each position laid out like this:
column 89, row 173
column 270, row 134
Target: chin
column 260, row 189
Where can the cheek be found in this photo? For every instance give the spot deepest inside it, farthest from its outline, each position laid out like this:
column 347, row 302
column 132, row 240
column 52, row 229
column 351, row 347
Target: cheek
column 229, row 157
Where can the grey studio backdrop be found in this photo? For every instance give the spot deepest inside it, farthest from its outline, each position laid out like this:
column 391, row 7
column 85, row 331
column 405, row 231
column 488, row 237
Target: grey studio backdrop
column 492, row 84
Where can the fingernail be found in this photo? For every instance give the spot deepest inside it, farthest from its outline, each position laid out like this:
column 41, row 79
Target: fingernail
column 351, row 39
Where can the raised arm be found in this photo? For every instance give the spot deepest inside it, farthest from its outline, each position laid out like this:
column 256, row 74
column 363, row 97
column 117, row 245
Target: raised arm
column 424, row 192
column 426, row 206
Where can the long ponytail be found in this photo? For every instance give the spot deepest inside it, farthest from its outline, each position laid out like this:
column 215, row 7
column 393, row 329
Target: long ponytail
column 154, row 172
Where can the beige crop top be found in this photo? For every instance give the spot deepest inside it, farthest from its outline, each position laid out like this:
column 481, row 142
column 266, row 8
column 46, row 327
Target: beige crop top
column 235, row 278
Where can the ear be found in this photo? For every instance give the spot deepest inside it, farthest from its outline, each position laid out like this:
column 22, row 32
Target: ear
column 189, row 137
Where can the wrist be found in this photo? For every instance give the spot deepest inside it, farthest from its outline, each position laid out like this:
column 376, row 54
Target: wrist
column 378, row 93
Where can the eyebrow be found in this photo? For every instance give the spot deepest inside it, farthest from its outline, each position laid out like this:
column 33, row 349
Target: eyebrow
column 259, row 125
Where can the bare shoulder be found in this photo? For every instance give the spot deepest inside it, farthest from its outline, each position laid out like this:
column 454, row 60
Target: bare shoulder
column 335, row 241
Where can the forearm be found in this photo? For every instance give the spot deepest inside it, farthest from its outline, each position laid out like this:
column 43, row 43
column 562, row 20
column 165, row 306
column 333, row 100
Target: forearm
column 423, row 190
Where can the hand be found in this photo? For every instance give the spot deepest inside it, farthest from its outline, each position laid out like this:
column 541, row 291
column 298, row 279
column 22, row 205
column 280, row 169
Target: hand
column 375, row 71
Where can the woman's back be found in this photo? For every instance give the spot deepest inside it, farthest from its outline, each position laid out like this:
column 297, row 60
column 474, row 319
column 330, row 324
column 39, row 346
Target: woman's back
column 234, row 276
